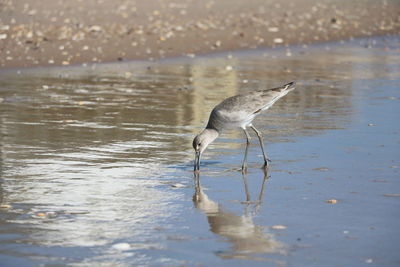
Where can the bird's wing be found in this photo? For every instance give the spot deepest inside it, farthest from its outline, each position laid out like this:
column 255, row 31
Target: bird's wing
column 254, row 102
column 268, row 97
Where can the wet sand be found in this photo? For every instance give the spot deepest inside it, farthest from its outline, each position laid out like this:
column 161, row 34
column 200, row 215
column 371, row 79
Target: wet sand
column 106, row 149
column 40, row 33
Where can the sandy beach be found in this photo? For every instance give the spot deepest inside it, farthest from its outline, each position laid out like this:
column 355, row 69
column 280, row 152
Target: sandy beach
column 41, row 33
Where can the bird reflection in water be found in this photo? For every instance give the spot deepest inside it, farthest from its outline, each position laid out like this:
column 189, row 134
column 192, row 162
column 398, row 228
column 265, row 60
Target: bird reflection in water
column 247, row 239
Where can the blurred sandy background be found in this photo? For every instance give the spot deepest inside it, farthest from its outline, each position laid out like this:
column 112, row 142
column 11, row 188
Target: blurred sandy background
column 48, row 32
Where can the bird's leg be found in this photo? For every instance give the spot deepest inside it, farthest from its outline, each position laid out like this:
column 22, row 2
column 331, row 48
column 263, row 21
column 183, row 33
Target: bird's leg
column 244, row 165
column 266, row 159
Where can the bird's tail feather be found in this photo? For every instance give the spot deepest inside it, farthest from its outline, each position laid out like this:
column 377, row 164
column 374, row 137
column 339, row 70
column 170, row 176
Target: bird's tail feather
column 289, row 86
column 281, row 92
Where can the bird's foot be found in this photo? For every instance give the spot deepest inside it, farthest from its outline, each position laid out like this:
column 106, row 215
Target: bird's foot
column 244, row 169
column 266, row 163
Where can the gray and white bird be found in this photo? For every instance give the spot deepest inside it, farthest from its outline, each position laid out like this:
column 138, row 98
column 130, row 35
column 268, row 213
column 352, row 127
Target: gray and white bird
column 238, row 112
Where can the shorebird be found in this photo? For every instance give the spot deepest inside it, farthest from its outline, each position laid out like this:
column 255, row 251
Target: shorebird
column 238, row 112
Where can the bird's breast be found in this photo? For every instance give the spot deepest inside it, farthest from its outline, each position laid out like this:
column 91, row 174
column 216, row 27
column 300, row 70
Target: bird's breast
column 221, row 119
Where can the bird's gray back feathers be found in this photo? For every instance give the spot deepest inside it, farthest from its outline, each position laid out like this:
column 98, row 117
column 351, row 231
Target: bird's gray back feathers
column 242, row 109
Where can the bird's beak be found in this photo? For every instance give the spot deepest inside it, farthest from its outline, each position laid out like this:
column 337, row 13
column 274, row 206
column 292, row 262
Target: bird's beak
column 197, row 161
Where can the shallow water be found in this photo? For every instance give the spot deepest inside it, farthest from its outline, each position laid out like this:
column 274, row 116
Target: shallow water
column 96, row 162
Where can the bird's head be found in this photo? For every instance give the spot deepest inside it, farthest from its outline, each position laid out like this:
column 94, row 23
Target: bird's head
column 200, row 143
column 203, row 139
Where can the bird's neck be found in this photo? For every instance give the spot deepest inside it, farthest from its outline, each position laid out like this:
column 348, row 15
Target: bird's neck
column 212, row 131
column 211, row 134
